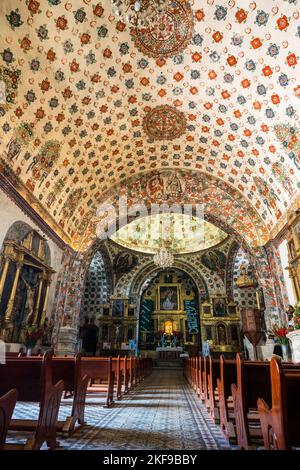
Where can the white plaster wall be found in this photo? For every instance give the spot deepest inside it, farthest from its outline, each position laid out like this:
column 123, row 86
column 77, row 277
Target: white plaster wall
column 10, row 213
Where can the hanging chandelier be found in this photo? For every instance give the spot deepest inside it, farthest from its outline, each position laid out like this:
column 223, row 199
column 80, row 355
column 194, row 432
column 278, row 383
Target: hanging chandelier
column 163, row 258
column 140, row 13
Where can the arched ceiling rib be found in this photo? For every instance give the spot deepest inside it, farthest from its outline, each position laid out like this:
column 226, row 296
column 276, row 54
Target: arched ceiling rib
column 215, row 200
column 77, row 90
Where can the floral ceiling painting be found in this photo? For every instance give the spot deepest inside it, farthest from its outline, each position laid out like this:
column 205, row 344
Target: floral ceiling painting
column 76, row 85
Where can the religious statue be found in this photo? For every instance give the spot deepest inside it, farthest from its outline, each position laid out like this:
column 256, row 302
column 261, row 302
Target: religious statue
column 117, row 331
column 221, row 334
column 29, row 306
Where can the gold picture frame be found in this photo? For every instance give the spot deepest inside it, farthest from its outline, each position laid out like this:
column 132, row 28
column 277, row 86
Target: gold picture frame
column 172, row 288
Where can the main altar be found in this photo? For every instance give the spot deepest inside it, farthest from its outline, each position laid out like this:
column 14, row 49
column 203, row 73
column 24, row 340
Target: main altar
column 169, row 352
column 170, row 315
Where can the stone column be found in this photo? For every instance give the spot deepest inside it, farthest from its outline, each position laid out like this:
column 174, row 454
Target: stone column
column 67, row 339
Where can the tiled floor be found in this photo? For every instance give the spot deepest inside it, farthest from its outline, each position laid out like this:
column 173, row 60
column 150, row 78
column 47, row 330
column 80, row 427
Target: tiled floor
column 162, row 412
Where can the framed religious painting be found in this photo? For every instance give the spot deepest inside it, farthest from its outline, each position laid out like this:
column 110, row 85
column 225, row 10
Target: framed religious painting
column 219, row 307
column 118, row 308
column 168, row 298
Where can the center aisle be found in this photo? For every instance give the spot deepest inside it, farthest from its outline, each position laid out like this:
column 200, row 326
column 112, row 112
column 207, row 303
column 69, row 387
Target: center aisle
column 161, row 413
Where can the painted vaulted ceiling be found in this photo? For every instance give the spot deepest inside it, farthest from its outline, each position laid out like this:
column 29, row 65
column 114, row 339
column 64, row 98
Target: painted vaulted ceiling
column 86, row 104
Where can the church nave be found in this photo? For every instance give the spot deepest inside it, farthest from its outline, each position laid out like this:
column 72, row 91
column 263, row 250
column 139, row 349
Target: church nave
column 162, row 412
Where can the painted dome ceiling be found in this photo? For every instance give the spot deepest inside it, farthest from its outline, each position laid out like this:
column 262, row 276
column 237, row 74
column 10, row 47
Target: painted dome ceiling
column 180, row 232
column 78, row 92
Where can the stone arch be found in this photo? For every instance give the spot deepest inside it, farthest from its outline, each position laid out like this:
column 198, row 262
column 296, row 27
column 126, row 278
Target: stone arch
column 150, row 268
column 224, row 204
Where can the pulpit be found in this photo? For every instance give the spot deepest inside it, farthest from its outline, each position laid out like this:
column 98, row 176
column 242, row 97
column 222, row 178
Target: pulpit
column 252, row 326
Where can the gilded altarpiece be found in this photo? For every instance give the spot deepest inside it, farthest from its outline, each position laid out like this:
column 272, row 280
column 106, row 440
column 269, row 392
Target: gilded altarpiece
column 220, row 325
column 25, row 278
column 293, row 242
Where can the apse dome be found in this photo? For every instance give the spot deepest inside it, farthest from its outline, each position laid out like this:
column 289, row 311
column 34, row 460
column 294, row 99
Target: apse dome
column 181, row 233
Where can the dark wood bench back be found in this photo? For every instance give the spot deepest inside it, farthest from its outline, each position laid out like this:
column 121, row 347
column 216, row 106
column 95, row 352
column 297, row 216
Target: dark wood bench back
column 7, row 406
column 281, row 423
column 28, row 375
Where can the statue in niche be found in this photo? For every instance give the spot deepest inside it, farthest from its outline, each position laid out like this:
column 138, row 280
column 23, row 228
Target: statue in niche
column 117, row 331
column 221, row 334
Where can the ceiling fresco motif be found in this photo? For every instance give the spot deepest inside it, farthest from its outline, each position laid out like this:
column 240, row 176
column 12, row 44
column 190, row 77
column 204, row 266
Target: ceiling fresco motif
column 164, row 123
column 181, row 232
column 78, row 84
column 218, row 203
column 170, row 36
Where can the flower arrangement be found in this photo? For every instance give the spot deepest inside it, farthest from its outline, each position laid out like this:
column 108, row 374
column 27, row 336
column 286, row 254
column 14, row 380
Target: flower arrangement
column 297, row 317
column 32, row 335
column 280, row 333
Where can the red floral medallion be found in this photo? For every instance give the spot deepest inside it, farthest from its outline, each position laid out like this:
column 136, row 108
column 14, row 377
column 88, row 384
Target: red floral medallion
column 164, row 123
column 170, row 35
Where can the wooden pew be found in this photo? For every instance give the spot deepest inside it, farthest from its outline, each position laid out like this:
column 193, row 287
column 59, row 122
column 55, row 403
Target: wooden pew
column 7, row 406
column 69, row 369
column 100, row 368
column 200, row 376
column 205, row 396
column 214, row 374
column 227, row 377
column 133, row 372
column 253, row 381
column 281, row 423
column 116, row 367
column 33, row 380
column 125, row 371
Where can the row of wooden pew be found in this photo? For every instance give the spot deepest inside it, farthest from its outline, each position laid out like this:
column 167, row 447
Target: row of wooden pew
column 47, row 380
column 256, row 403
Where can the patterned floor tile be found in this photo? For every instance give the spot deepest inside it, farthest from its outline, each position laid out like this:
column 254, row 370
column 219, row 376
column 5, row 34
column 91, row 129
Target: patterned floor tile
column 163, row 412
